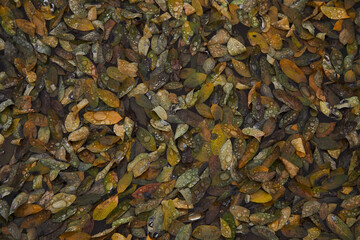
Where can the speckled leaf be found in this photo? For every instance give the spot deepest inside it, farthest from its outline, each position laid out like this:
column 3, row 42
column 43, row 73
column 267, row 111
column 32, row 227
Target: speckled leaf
column 187, row 177
column 127, row 68
column 206, row 232
column 241, row 68
column 338, row 227
column 309, row 208
column 146, row 139
column 102, row 117
column 18, row 201
column 60, row 201
column 170, row 213
column 226, row 155
column 81, row 24
column 175, row 8
column 334, row 12
column 218, row 139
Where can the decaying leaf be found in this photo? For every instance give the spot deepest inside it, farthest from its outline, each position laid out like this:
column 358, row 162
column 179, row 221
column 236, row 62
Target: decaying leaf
column 196, row 119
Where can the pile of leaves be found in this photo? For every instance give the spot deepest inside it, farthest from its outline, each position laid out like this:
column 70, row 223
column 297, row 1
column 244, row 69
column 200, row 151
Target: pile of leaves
column 179, row 119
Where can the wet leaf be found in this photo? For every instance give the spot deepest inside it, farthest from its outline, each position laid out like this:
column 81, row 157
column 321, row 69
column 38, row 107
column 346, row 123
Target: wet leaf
column 146, row 139
column 292, row 71
column 60, row 201
column 338, row 227
column 175, row 8
column 105, row 208
column 127, row 68
column 206, row 232
column 81, row 24
column 334, row 12
column 102, row 117
column 241, row 68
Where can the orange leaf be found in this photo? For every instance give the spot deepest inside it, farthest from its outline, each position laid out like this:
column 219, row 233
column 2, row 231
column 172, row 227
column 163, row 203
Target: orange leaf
column 334, row 12
column 26, row 26
column 27, row 209
column 241, row 68
column 292, row 71
column 36, row 220
column 74, row 236
column 80, row 24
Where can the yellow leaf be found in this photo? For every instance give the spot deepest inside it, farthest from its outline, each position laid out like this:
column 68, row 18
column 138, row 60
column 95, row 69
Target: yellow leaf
column 124, row 182
column 198, row 8
column 256, row 38
column 127, row 68
column 218, row 142
column 334, row 12
column 260, row 197
column 105, row 208
column 81, row 24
